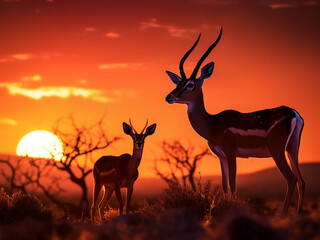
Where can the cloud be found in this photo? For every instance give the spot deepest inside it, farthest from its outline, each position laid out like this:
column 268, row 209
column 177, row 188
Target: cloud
column 177, row 32
column 60, row 92
column 8, row 121
column 286, row 4
column 22, row 56
column 50, row 55
column 15, row 57
column 216, row 2
column 281, row 5
column 152, row 23
column 273, row 4
column 35, row 78
column 310, row 3
column 28, row 56
column 112, row 35
column 90, row 29
column 110, row 66
column 292, row 4
column 172, row 30
column 82, row 81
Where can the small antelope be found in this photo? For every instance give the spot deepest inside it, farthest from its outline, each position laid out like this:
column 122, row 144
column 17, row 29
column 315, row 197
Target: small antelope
column 115, row 172
column 231, row 134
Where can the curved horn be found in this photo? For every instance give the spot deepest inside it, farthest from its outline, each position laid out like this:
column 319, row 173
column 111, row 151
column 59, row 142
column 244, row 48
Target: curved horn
column 144, row 127
column 205, row 55
column 183, row 75
column 134, row 130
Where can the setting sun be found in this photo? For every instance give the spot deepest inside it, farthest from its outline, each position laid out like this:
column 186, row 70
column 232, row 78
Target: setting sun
column 228, row 91
column 40, row 144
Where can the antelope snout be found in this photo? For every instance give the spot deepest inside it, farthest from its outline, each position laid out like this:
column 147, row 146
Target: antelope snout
column 170, row 99
column 139, row 144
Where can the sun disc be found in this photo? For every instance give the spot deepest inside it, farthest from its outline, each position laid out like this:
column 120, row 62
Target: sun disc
column 40, row 144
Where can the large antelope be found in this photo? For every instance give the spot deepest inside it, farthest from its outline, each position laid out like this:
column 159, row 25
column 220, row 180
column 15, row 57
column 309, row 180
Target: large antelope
column 115, row 172
column 231, row 134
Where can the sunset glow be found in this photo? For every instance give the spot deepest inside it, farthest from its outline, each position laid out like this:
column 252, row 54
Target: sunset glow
column 40, row 144
column 108, row 58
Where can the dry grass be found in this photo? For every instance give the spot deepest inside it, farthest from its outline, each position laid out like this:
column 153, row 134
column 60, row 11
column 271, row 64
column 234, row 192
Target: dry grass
column 205, row 203
column 20, row 206
column 177, row 214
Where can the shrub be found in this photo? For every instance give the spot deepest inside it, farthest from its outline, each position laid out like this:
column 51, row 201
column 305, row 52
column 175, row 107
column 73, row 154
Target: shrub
column 28, row 206
column 110, row 214
column 4, row 205
column 223, row 203
column 21, row 206
column 176, row 196
column 204, row 203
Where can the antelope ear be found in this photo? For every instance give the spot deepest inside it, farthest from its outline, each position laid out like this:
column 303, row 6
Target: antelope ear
column 174, row 77
column 127, row 129
column 150, row 130
column 206, row 72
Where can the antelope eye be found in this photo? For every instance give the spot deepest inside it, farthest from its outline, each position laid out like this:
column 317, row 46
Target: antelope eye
column 190, row 85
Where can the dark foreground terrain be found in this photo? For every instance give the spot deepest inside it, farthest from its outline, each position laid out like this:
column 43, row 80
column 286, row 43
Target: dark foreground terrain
column 178, row 213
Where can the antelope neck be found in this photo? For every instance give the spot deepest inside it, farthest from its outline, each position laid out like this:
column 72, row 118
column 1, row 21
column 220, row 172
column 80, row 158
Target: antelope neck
column 200, row 119
column 135, row 160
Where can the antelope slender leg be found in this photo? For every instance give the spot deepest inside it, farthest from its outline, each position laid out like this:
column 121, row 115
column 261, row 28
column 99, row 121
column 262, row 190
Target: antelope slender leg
column 96, row 191
column 301, row 183
column 118, row 195
column 232, row 166
column 276, row 145
column 225, row 174
column 224, row 165
column 292, row 150
column 129, row 195
column 285, row 170
column 105, row 199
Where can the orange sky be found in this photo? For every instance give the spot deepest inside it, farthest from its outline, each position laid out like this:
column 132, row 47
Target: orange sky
column 88, row 58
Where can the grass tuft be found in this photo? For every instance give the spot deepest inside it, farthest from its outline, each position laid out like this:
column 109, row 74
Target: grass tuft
column 205, row 203
column 21, row 206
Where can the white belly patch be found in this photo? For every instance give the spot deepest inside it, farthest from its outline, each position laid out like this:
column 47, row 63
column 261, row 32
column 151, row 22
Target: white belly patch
column 261, row 152
column 248, row 132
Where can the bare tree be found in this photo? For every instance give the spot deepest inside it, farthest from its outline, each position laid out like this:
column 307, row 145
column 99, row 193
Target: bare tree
column 180, row 161
column 47, row 175
column 12, row 175
column 34, row 175
column 79, row 144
